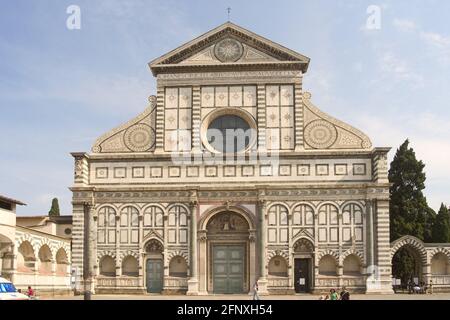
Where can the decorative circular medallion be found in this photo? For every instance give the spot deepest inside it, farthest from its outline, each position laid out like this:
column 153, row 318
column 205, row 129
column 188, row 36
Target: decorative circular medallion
column 320, row 134
column 228, row 50
column 139, row 137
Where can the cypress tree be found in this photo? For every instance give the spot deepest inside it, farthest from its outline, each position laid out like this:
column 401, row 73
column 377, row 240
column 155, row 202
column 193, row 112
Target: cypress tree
column 409, row 211
column 441, row 227
column 54, row 210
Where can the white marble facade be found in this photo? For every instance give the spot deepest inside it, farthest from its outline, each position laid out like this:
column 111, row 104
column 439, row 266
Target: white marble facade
column 315, row 207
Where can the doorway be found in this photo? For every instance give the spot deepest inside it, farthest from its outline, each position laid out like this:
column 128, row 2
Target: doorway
column 228, row 268
column 154, row 275
column 302, row 275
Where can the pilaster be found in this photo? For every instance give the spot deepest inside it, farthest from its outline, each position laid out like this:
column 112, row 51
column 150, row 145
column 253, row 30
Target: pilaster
column 262, row 281
column 159, row 120
column 261, row 115
column 298, row 111
column 193, row 285
column 380, row 278
column 196, row 118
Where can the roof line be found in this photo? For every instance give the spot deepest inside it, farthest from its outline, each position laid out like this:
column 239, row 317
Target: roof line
column 11, row 200
column 223, row 27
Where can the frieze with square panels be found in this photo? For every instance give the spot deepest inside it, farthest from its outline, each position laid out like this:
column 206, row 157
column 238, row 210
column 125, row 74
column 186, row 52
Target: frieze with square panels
column 138, row 172
column 311, row 170
column 229, row 171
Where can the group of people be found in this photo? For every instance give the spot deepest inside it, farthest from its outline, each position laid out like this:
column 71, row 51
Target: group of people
column 417, row 288
column 343, row 295
column 333, row 295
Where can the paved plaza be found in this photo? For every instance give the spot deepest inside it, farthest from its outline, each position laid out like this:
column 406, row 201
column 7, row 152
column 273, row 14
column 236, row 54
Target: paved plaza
column 438, row 296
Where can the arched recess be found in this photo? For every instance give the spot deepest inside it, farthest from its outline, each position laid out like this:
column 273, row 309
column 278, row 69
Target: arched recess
column 352, row 265
column 206, row 217
column 328, row 265
column 409, row 259
column 178, row 267
column 440, row 263
column 62, row 262
column 130, row 266
column 45, row 260
column 26, row 259
column 278, row 266
column 303, row 245
column 107, row 266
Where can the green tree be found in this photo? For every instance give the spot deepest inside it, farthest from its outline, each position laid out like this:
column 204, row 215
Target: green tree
column 54, row 210
column 441, row 227
column 404, row 265
column 409, row 211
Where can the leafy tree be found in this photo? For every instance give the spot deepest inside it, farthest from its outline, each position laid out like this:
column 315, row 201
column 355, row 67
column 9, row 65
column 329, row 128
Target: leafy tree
column 404, row 265
column 441, row 227
column 54, row 210
column 409, row 211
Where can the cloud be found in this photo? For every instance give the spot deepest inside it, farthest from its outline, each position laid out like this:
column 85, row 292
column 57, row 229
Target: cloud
column 404, row 25
column 437, row 44
column 397, row 69
column 436, row 39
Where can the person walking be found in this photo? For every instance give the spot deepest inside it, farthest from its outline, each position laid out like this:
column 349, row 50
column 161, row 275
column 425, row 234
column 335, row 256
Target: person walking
column 345, row 295
column 333, row 295
column 255, row 291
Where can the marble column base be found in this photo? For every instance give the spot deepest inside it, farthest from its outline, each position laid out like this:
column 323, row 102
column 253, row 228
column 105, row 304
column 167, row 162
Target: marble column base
column 379, row 286
column 192, row 287
column 262, row 286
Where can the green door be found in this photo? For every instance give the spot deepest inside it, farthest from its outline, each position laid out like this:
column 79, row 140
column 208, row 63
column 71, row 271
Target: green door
column 154, row 275
column 228, row 268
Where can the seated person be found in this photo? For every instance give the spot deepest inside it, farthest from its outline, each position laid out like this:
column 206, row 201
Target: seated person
column 30, row 292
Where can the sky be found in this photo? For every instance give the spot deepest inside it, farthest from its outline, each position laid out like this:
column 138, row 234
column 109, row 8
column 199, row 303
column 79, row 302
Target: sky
column 60, row 89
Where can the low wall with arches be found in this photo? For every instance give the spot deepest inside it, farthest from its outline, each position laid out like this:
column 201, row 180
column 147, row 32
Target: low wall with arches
column 42, row 262
column 433, row 260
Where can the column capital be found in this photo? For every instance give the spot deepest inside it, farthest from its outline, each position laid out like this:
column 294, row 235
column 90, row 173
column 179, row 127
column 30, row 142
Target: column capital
column 202, row 235
column 193, row 203
column 88, row 204
column 262, row 203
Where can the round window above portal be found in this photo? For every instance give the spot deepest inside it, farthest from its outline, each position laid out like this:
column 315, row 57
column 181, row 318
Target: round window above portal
column 228, row 132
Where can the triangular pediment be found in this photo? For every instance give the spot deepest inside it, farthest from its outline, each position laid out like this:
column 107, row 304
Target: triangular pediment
column 208, row 56
column 228, row 45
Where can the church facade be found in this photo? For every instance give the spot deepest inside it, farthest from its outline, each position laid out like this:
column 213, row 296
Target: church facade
column 232, row 176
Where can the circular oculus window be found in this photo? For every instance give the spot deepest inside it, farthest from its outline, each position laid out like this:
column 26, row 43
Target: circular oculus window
column 228, row 133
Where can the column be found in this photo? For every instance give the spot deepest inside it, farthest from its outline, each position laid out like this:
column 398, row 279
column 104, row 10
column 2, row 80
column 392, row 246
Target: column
column 141, row 252
column 203, row 263
column 262, row 282
column 118, row 242
column 53, row 268
column 252, row 259
column 426, row 273
column 193, row 280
